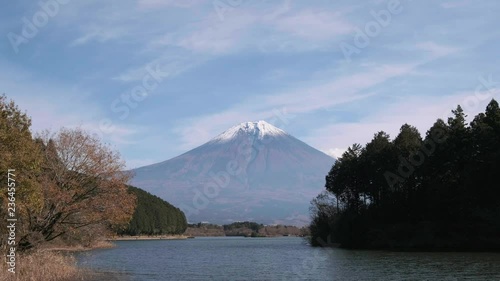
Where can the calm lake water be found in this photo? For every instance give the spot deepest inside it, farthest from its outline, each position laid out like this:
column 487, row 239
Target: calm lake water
column 286, row 258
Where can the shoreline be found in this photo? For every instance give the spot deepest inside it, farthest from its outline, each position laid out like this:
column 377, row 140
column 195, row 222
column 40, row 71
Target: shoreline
column 148, row 237
column 104, row 244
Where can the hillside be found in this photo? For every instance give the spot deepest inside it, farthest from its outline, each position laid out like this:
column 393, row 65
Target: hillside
column 154, row 216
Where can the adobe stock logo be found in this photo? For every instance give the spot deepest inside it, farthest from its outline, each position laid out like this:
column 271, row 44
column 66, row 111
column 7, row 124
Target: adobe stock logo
column 48, row 9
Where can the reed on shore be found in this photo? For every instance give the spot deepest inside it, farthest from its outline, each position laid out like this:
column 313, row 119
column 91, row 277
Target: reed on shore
column 45, row 265
column 54, row 262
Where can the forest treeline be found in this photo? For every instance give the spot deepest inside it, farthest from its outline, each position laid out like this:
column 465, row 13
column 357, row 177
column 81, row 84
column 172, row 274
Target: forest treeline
column 69, row 187
column 436, row 192
column 154, row 216
column 246, row 228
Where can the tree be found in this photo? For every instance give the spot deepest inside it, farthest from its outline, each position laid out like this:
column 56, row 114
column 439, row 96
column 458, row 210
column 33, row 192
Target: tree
column 378, row 158
column 435, row 170
column 18, row 151
column 407, row 144
column 323, row 214
column 408, row 141
column 84, row 185
column 486, row 133
column 492, row 116
column 344, row 179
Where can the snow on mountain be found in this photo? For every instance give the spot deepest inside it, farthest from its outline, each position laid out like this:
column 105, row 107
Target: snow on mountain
column 260, row 129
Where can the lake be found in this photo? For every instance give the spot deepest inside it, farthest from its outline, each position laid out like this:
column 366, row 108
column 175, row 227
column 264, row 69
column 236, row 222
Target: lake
column 284, row 258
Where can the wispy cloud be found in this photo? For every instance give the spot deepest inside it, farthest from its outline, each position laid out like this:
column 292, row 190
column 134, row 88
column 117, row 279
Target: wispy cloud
column 335, row 152
column 314, row 24
column 218, row 38
column 212, row 36
column 454, row 4
column 169, row 65
column 151, row 4
column 306, row 99
column 99, row 34
column 436, row 50
column 246, row 27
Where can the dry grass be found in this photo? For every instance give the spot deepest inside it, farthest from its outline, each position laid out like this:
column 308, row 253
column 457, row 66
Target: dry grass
column 102, row 244
column 45, row 266
column 61, row 247
column 53, row 262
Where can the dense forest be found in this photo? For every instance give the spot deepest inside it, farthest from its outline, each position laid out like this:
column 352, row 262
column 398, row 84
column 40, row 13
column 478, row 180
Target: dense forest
column 437, row 192
column 154, row 216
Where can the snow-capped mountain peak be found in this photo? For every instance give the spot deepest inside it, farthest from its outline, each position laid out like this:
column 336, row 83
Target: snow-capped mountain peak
column 252, row 172
column 258, row 129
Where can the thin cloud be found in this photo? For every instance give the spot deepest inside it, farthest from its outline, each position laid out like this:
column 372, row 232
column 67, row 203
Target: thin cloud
column 436, row 50
column 305, row 100
column 211, row 36
column 152, row 4
column 314, row 25
column 98, row 34
column 170, row 66
column 454, row 4
column 335, row 152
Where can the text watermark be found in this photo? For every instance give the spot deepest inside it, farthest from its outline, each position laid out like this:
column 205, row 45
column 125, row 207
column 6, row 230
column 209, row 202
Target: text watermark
column 11, row 221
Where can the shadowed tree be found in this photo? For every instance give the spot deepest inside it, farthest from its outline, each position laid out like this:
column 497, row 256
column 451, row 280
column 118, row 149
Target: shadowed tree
column 343, row 179
column 378, row 158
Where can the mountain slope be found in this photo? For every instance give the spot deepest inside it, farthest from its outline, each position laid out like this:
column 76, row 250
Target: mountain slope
column 253, row 171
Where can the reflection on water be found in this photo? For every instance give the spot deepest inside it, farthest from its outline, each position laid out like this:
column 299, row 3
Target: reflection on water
column 286, row 258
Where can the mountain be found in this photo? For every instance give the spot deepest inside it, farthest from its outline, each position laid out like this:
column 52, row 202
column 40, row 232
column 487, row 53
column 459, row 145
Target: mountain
column 251, row 172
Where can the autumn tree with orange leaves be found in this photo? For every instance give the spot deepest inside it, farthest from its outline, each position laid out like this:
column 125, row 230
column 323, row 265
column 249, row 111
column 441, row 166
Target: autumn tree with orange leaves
column 84, row 186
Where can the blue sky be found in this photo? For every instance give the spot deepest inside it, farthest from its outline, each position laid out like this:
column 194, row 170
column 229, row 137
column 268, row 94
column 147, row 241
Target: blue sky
column 157, row 78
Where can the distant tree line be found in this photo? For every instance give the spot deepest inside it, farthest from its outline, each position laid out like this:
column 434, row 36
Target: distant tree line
column 204, row 229
column 246, row 224
column 247, row 229
column 154, row 216
column 437, row 192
